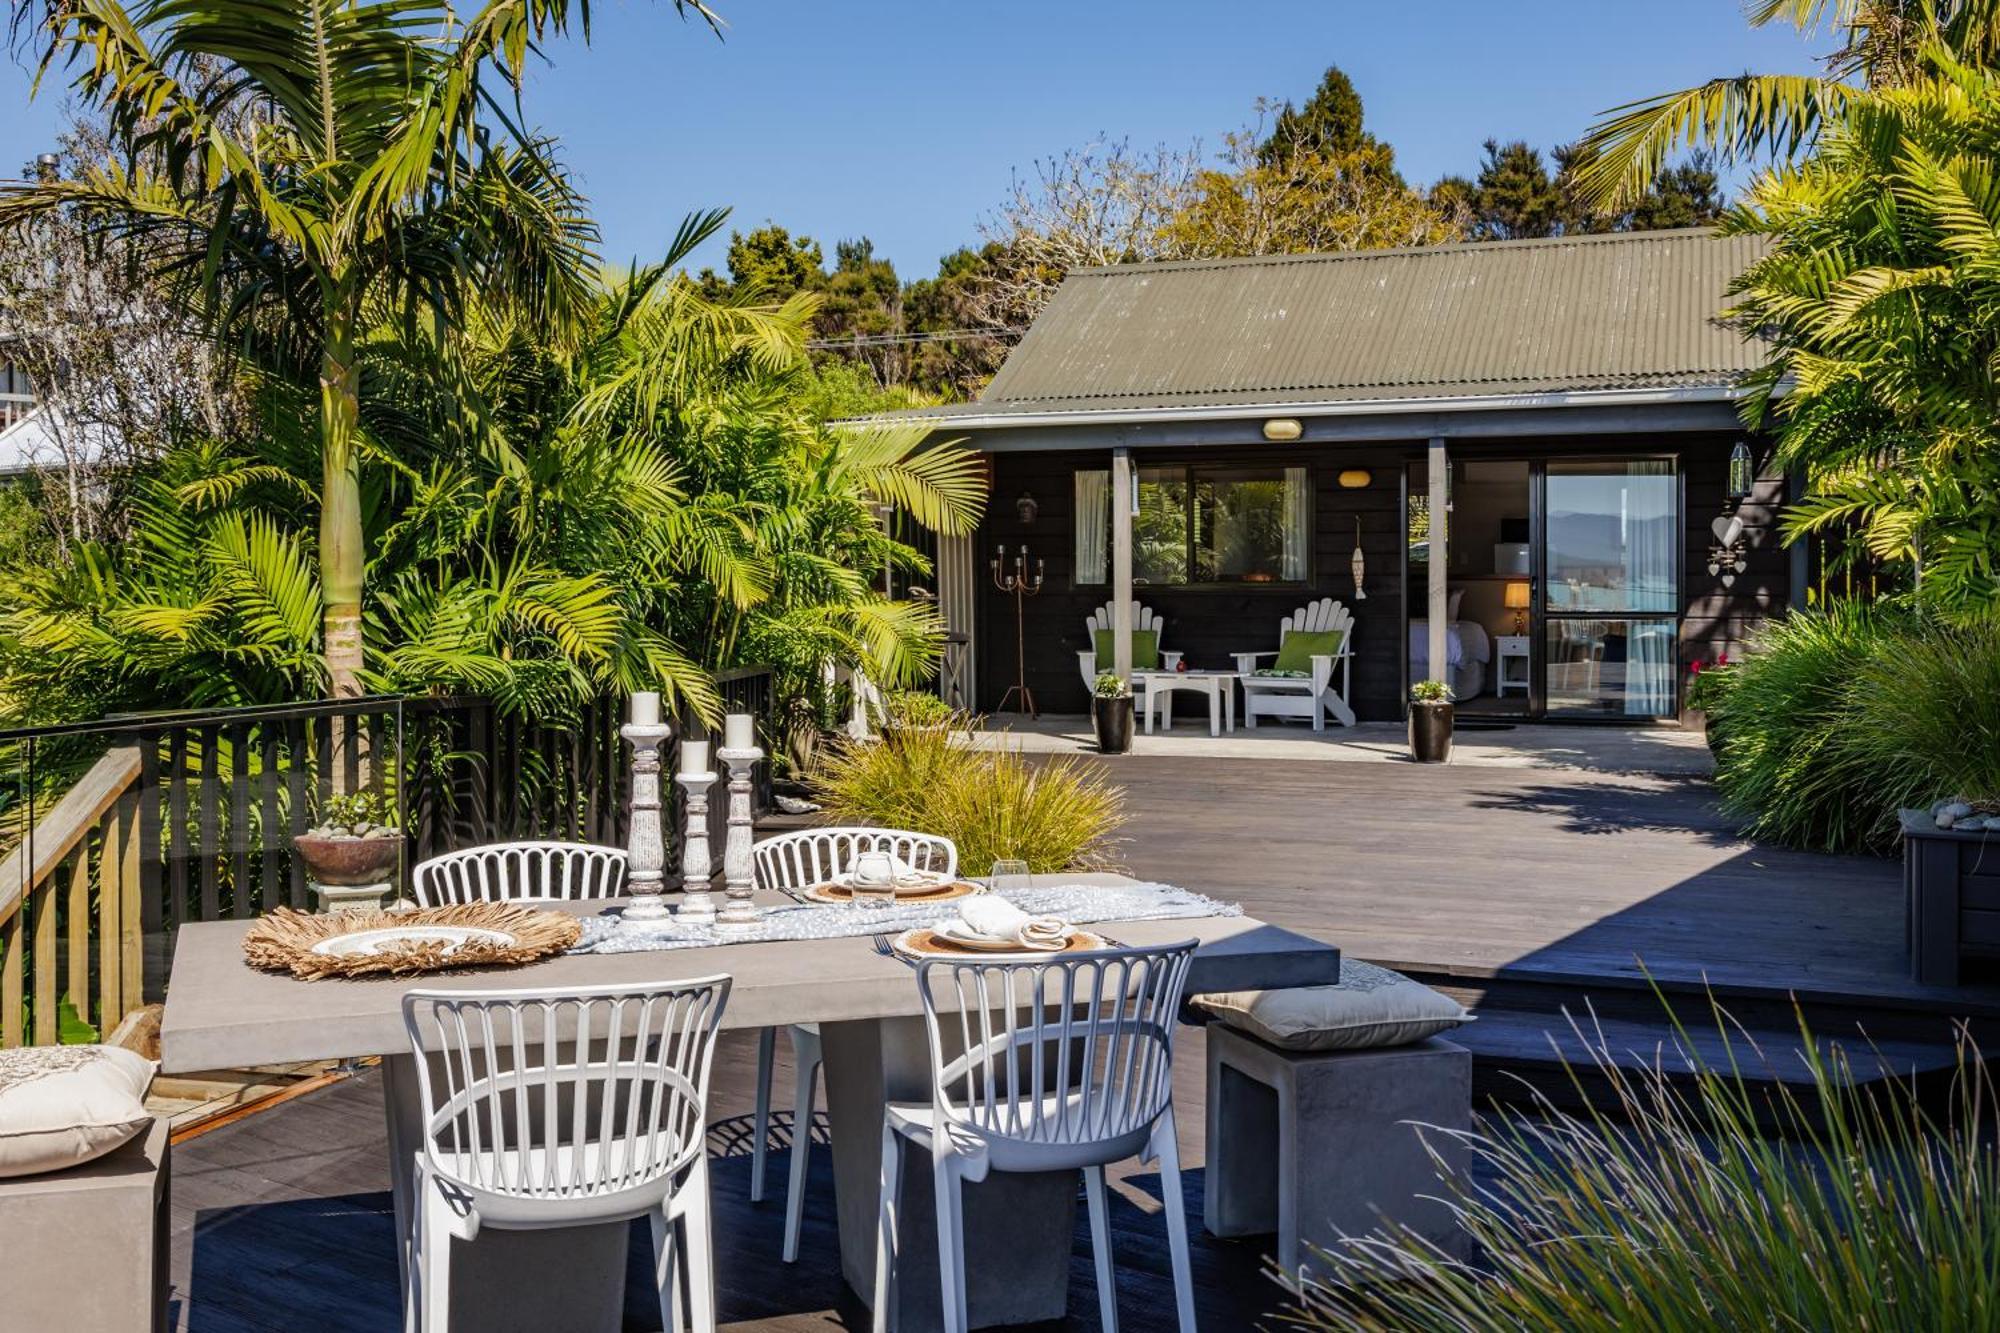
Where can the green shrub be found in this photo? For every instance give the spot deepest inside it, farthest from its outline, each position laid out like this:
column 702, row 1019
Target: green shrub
column 1666, row 1208
column 1060, row 814
column 1836, row 718
column 917, row 708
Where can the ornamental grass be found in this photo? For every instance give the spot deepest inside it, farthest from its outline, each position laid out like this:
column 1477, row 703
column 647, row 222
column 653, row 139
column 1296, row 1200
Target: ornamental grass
column 1715, row 1204
column 1837, row 718
column 1057, row 814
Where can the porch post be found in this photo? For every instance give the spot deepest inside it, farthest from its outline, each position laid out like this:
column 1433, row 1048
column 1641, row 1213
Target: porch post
column 1121, row 562
column 1440, row 599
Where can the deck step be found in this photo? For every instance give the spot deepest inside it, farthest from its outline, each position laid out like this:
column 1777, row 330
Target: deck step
column 1521, row 1054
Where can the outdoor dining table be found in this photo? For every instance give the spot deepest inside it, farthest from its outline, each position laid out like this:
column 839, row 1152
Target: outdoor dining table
column 221, row 1014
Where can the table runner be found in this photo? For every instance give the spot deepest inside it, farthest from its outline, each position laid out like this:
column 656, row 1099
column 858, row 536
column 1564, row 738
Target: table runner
column 1079, row 904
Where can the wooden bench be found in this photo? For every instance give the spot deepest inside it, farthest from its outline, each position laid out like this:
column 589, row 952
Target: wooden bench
column 87, row 1248
column 1317, row 1145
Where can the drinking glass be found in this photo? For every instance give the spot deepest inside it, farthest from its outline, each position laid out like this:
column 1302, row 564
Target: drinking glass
column 1007, row 874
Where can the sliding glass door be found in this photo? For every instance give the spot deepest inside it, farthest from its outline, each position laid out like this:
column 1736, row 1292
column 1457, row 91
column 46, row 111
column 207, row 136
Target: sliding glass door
column 1610, row 576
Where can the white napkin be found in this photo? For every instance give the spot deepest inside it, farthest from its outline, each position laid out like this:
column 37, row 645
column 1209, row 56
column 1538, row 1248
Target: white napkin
column 997, row 919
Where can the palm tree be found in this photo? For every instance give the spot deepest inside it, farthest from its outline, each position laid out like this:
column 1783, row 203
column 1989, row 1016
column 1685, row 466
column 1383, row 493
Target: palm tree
column 1879, row 298
column 312, row 170
column 1781, row 114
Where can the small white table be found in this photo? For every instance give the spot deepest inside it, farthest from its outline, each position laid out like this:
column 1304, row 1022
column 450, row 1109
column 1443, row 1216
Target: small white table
column 1219, row 686
column 1510, row 648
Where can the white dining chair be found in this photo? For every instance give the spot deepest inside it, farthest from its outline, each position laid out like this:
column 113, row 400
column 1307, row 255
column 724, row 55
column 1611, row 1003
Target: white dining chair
column 790, row 862
column 513, row 871
column 564, row 1108
column 1063, row 1065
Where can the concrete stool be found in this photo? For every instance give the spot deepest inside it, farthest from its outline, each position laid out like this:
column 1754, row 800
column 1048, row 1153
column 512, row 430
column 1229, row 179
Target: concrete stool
column 1314, row 1145
column 87, row 1248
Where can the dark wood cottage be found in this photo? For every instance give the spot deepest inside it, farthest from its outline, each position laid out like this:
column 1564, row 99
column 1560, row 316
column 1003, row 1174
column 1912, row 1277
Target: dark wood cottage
column 1230, row 440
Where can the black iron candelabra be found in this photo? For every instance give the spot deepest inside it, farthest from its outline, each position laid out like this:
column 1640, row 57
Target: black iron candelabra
column 1016, row 582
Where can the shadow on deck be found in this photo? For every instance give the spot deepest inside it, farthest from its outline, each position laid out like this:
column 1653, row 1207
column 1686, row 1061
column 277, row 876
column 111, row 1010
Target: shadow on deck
column 282, row 1222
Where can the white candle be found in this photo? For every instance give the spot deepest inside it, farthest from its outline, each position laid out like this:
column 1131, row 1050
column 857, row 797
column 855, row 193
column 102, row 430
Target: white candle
column 646, row 708
column 694, row 756
column 740, row 732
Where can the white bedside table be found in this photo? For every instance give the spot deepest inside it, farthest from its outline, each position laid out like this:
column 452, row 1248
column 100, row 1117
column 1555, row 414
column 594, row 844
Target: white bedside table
column 1510, row 650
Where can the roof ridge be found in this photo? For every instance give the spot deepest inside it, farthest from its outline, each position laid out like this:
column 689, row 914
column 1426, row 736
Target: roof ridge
column 1401, row 251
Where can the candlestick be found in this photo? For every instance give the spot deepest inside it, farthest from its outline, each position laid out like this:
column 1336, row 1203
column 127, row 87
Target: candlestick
column 697, row 906
column 645, row 846
column 738, row 878
column 646, row 708
column 694, row 757
column 739, row 732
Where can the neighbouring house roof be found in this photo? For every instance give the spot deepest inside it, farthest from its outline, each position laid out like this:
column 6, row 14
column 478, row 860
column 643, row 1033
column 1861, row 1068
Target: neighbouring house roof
column 37, row 440
column 1570, row 316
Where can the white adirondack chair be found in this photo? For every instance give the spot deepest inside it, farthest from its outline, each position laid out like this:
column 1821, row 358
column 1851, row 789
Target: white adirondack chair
column 1312, row 695
column 1143, row 617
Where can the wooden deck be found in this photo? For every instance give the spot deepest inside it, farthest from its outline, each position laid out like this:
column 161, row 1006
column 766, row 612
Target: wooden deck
column 1522, row 875
column 1526, row 873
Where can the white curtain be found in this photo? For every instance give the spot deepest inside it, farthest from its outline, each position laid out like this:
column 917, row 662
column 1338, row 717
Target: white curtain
column 1649, row 517
column 1093, row 527
column 1298, row 495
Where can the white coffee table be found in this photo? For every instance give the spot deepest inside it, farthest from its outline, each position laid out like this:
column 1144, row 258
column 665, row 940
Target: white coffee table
column 1219, row 686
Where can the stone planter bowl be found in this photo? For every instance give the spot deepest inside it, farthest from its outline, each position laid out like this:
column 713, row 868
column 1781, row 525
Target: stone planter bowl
column 349, row 860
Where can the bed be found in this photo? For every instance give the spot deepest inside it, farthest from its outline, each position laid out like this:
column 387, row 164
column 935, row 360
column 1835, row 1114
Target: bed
column 1468, row 650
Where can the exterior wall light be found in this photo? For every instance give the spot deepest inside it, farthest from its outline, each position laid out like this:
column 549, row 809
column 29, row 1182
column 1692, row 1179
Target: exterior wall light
column 1281, row 429
column 1355, row 479
column 1026, row 508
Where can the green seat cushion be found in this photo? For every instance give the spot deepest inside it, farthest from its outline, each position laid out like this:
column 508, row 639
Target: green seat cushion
column 1145, row 650
column 1302, row 646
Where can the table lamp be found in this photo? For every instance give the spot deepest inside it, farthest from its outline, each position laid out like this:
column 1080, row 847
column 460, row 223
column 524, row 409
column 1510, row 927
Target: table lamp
column 1518, row 602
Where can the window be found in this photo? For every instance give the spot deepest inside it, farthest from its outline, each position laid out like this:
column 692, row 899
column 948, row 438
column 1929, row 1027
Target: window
column 1200, row 525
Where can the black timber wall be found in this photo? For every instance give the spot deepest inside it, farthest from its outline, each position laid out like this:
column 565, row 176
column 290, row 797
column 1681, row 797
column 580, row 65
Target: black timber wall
column 1209, row 624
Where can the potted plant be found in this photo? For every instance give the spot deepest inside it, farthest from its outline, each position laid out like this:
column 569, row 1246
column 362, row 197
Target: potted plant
column 1111, row 712
column 356, row 842
column 1430, row 722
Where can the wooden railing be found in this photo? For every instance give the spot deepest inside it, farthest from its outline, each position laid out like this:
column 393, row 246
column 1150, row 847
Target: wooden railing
column 190, row 817
column 69, row 908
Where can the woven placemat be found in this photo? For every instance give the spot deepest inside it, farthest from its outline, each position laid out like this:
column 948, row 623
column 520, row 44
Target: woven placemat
column 283, row 940
column 842, row 895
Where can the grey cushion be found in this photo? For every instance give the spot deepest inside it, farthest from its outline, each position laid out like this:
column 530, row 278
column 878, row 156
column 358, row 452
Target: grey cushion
column 1371, row 1006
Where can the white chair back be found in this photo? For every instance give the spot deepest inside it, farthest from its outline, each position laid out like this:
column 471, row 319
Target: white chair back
column 564, row 1096
column 512, row 871
column 1072, row 1051
column 1317, row 618
column 1143, row 617
column 815, row 856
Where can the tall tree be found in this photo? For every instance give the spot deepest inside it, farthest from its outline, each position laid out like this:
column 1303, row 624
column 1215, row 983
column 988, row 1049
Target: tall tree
column 319, row 166
column 1519, row 194
column 769, row 262
column 1512, row 196
column 1329, row 123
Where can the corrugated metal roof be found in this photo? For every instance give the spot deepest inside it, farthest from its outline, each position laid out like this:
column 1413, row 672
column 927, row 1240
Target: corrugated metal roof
column 1623, row 311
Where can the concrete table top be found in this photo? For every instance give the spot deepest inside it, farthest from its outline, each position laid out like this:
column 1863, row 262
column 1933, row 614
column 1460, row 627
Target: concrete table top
column 221, row 1013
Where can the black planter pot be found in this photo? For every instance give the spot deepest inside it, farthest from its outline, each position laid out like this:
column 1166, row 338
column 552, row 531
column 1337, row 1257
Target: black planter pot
column 1113, row 719
column 1430, row 732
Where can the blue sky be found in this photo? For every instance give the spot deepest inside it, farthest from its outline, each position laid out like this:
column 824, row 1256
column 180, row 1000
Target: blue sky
column 902, row 120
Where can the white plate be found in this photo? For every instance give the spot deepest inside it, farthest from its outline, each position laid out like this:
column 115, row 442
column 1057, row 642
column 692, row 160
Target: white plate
column 396, row 939
column 915, row 879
